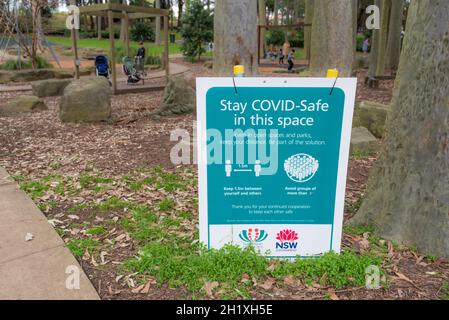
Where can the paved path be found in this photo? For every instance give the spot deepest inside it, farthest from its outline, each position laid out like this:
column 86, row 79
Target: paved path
column 175, row 69
column 34, row 269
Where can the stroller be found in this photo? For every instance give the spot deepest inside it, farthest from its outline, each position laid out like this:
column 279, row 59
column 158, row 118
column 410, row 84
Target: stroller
column 102, row 66
column 129, row 68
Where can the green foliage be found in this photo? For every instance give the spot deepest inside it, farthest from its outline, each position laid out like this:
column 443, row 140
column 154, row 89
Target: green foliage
column 192, row 266
column 96, row 230
column 297, row 39
column 142, row 31
column 338, row 270
column 166, row 204
column 153, row 60
column 276, row 37
column 444, row 292
column 79, row 246
column 197, row 29
column 35, row 189
column 13, row 64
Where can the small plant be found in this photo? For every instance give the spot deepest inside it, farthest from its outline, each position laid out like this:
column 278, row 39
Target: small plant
column 79, row 246
column 444, row 293
column 96, row 231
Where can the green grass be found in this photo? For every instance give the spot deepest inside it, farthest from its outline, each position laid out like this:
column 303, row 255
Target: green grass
column 79, row 246
column 96, row 231
column 444, row 293
column 151, row 48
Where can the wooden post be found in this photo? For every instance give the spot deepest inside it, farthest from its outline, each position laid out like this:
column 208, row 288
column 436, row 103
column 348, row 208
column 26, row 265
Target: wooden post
column 166, row 53
column 75, row 51
column 126, row 39
column 111, row 40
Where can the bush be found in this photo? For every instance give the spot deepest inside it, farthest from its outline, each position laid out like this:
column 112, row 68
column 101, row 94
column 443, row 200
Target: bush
column 105, row 34
column 13, row 64
column 276, row 37
column 142, row 31
column 297, row 40
column 153, row 60
column 197, row 29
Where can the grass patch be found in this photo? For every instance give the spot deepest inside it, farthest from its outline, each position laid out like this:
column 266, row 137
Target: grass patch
column 444, row 294
column 35, row 189
column 79, row 246
column 96, row 231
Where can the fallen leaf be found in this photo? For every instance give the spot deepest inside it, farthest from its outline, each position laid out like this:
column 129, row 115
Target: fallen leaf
column 146, row 289
column 137, row 290
column 268, row 284
column 209, row 288
column 332, row 294
column 73, row 217
column 29, row 237
column 291, row 281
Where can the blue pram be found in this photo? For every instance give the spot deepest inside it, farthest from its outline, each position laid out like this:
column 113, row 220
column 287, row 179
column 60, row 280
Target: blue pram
column 102, row 66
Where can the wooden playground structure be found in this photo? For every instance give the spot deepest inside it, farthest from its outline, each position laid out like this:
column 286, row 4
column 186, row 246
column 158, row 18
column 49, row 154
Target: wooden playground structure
column 113, row 11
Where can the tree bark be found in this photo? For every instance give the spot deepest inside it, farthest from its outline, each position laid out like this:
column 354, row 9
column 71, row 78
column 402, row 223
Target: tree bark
column 235, row 36
column 394, row 35
column 158, row 25
column 408, row 192
column 262, row 22
column 383, row 37
column 180, row 8
column 276, row 12
column 308, row 19
column 375, row 43
column 332, row 32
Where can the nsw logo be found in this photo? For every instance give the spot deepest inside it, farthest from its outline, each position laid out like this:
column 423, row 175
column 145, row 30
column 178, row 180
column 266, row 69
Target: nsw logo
column 253, row 236
column 287, row 240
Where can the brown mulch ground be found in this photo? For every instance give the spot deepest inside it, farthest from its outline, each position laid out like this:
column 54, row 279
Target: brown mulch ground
column 34, row 145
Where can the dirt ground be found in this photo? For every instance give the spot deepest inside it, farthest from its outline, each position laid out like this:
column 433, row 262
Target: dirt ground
column 37, row 145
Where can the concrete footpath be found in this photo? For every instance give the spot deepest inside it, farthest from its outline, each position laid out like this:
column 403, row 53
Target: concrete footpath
column 34, row 269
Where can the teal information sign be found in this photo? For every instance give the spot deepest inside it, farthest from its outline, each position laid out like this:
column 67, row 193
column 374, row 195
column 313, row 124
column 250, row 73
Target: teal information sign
column 273, row 159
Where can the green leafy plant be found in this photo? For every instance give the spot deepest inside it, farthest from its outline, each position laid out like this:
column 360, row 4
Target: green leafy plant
column 197, row 29
column 142, row 31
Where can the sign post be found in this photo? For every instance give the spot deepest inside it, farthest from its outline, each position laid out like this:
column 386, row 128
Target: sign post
column 273, row 156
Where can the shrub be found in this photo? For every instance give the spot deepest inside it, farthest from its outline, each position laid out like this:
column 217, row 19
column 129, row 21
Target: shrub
column 276, row 37
column 297, row 40
column 197, row 29
column 142, row 31
column 13, row 64
column 153, row 60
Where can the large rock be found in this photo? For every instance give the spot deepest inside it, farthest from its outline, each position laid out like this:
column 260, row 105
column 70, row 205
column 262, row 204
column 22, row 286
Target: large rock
column 179, row 97
column 50, row 87
column 363, row 143
column 5, row 76
column 32, row 75
column 372, row 116
column 86, row 100
column 23, row 104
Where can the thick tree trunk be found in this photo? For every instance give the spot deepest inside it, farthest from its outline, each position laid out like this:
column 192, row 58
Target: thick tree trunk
column 394, row 35
column 276, row 12
column 262, row 22
column 408, row 192
column 180, row 8
column 375, row 43
column 332, row 32
column 158, row 25
column 235, row 36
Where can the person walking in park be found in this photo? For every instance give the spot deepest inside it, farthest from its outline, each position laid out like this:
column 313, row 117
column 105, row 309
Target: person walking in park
column 140, row 57
column 291, row 64
column 365, row 46
column 281, row 56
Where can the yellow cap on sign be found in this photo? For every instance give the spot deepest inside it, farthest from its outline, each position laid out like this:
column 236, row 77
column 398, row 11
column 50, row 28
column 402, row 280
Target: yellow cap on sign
column 239, row 70
column 332, row 73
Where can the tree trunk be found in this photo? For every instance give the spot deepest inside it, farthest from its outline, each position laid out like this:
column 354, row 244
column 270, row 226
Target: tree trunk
column 262, row 22
column 276, row 12
column 375, row 43
column 309, row 8
column 383, row 37
column 394, row 36
column 408, row 192
column 158, row 25
column 180, row 8
column 332, row 32
column 235, row 36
